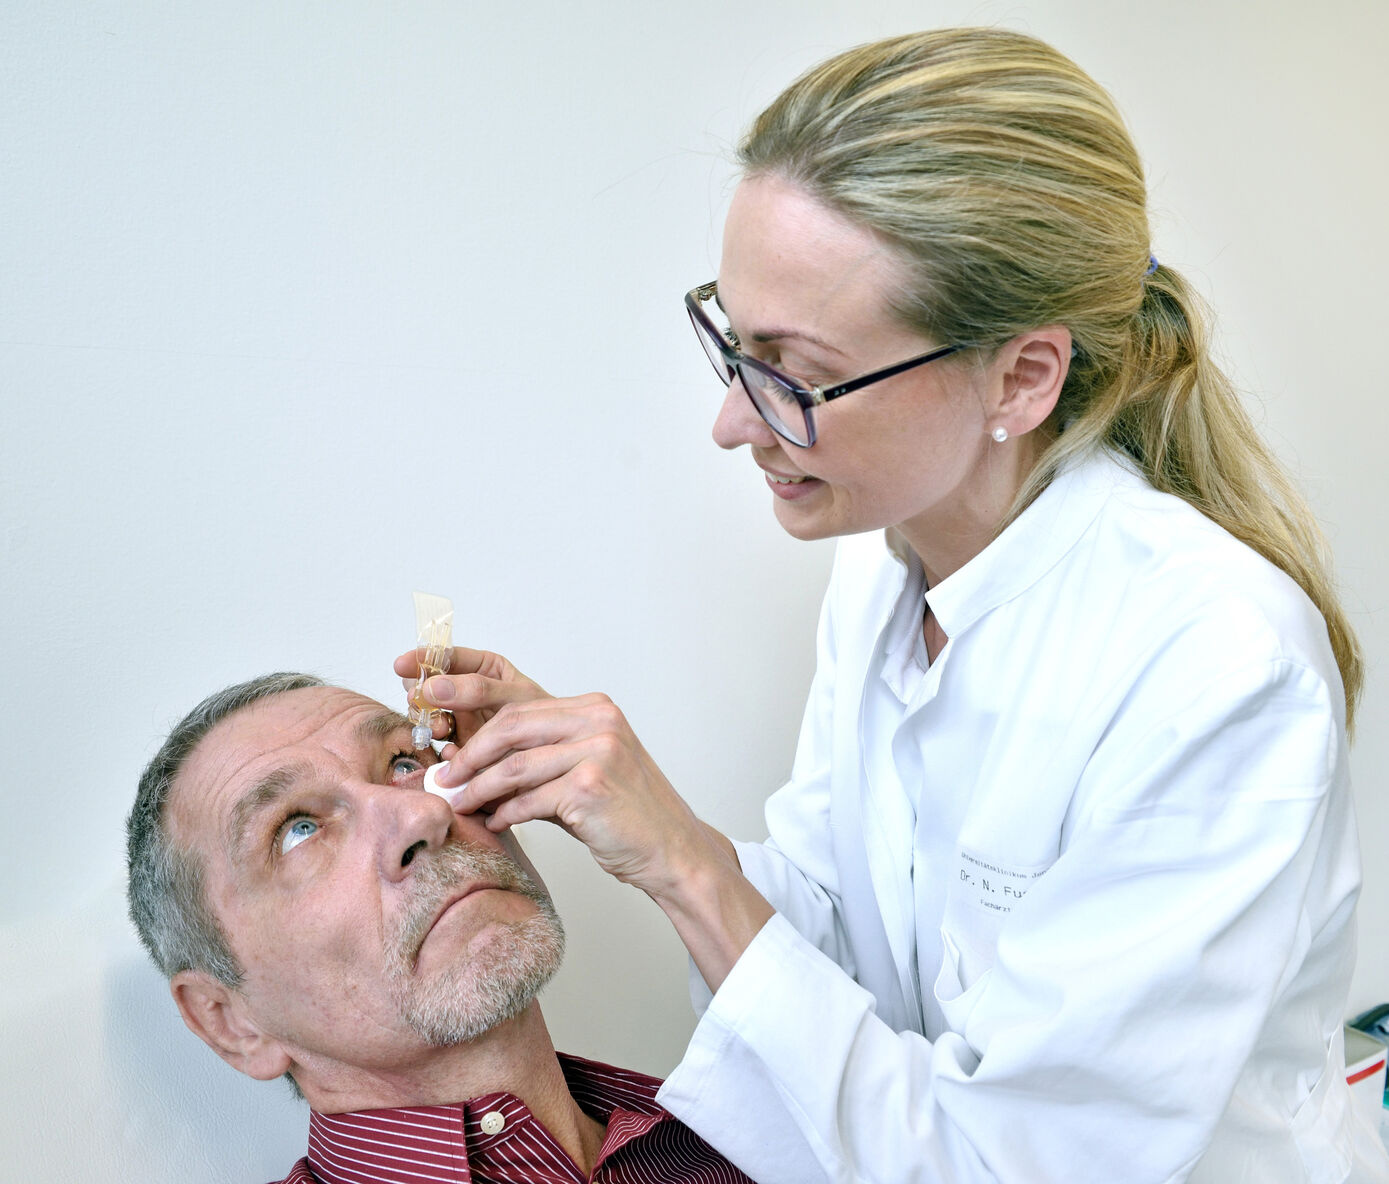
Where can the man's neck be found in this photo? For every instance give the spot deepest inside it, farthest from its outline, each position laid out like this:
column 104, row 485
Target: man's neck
column 517, row 1057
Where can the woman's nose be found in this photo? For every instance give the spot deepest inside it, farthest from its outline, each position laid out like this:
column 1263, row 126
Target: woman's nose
column 738, row 422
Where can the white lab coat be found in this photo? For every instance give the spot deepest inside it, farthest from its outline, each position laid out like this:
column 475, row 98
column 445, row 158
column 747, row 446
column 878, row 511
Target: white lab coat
column 1091, row 874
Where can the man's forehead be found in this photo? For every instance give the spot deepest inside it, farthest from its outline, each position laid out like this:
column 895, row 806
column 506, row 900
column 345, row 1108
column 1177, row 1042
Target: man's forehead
column 278, row 731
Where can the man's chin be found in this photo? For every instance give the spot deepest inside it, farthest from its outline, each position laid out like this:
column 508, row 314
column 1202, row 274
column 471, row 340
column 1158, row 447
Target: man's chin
column 494, row 983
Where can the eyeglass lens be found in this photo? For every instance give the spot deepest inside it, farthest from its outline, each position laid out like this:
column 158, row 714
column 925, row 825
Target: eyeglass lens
column 774, row 402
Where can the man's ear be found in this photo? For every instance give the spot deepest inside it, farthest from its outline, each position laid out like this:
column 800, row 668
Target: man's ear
column 1031, row 370
column 217, row 1014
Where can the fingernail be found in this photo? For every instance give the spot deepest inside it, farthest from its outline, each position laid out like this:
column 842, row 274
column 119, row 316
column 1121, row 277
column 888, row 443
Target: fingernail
column 438, row 688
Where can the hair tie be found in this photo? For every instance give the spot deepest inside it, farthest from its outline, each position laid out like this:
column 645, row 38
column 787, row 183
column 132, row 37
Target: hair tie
column 1152, row 266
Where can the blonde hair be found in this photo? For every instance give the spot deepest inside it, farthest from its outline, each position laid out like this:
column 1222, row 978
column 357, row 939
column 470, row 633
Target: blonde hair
column 1006, row 180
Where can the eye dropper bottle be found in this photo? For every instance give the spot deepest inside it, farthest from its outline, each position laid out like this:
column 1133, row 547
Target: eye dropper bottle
column 433, row 651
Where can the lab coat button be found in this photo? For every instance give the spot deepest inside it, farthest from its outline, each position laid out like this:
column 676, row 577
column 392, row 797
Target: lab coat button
column 492, row 1122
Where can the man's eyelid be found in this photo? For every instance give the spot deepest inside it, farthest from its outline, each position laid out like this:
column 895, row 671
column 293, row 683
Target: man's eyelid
column 281, row 831
column 424, row 757
column 294, row 813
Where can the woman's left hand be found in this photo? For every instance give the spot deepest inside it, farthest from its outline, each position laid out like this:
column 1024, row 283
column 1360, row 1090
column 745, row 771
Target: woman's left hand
column 576, row 762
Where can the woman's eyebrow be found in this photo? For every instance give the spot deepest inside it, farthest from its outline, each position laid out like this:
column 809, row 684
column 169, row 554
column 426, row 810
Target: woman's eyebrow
column 770, row 335
column 766, row 336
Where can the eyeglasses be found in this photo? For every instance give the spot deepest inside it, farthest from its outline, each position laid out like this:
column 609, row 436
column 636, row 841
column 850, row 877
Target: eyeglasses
column 785, row 405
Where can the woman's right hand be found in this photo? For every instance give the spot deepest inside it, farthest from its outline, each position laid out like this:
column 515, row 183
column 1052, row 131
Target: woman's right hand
column 478, row 684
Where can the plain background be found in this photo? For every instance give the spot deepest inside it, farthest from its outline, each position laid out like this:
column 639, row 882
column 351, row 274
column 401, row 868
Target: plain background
column 306, row 305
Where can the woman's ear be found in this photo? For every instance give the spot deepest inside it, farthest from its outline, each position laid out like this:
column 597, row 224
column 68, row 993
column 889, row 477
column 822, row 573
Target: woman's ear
column 218, row 1015
column 1030, row 370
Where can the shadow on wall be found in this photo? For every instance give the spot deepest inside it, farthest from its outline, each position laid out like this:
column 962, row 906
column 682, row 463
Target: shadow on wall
column 178, row 1102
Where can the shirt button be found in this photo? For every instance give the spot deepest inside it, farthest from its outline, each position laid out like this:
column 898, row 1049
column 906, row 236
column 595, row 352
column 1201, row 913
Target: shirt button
column 492, row 1122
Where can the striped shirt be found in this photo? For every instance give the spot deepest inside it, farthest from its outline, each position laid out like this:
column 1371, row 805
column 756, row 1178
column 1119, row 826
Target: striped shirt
column 494, row 1139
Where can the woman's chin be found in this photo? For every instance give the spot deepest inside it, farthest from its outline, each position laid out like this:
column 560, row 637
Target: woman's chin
column 802, row 522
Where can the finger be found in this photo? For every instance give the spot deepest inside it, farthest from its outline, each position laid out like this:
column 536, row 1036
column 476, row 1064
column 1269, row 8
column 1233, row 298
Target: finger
column 441, row 722
column 529, row 769
column 533, row 724
column 521, row 726
column 477, row 692
column 462, row 660
column 490, row 665
column 469, row 661
column 536, row 805
column 560, row 801
column 517, row 772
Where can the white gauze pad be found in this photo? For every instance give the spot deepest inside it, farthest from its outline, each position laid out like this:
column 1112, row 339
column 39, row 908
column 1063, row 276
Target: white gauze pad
column 431, row 782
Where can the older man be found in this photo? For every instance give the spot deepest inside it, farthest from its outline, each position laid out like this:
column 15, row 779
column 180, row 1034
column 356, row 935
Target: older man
column 319, row 916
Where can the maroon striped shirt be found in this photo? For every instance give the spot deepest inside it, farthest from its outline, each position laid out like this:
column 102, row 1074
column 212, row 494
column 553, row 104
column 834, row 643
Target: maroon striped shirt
column 494, row 1139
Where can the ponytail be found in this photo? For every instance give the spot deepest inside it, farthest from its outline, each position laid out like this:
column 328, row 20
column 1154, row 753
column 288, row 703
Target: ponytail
column 1173, row 411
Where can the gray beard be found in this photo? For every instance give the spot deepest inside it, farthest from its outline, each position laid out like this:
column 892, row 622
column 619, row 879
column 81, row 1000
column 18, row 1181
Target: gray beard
column 461, row 1001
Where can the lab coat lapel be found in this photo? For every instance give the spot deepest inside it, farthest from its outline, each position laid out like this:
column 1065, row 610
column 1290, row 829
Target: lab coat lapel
column 862, row 901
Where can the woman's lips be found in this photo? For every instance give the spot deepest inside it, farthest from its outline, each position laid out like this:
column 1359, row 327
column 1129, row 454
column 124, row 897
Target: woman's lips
column 788, row 486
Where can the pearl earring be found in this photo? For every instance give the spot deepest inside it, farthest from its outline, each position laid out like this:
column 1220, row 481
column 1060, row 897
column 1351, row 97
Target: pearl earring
column 1000, row 433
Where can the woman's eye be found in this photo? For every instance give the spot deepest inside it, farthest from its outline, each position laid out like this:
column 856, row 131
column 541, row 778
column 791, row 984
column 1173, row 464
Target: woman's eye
column 403, row 766
column 770, row 388
column 297, row 831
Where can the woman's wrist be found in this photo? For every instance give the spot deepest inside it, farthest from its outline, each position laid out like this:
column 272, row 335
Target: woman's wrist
column 715, row 909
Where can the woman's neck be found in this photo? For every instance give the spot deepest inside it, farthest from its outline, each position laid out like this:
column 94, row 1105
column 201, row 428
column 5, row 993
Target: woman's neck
column 948, row 535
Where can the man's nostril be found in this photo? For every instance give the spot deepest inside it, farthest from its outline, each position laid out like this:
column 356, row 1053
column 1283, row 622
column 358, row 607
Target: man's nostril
column 410, row 853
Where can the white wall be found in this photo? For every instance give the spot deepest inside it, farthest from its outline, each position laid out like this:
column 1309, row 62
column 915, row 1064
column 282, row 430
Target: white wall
column 304, row 306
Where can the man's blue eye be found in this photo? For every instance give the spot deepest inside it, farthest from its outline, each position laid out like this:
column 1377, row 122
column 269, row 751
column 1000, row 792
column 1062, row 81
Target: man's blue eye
column 406, row 766
column 299, row 830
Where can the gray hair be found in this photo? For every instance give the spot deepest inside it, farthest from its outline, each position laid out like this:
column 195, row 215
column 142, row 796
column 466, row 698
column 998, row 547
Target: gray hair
column 165, row 887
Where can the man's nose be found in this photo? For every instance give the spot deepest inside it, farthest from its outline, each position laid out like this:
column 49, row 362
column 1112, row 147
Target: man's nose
column 407, row 823
column 738, row 422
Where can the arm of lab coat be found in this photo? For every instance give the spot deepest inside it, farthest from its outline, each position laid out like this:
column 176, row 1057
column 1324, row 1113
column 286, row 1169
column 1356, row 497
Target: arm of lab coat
column 1126, row 991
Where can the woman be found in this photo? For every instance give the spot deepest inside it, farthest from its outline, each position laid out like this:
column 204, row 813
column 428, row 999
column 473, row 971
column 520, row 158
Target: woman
column 1062, row 885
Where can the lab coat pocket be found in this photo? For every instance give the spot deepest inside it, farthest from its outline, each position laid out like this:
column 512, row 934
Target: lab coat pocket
column 1322, row 1125
column 958, row 987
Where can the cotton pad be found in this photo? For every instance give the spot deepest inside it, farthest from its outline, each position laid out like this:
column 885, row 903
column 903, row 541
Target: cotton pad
column 431, row 781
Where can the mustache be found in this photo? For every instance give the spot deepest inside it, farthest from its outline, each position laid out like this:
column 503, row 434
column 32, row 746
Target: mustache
column 438, row 876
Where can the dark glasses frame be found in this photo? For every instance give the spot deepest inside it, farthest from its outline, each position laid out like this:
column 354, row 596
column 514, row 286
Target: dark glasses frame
column 736, row 363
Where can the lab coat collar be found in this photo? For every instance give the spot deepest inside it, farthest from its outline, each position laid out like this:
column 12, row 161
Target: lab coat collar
column 1031, row 545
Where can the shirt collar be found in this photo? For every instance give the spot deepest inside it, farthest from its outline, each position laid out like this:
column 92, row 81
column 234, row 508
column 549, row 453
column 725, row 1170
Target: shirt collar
column 403, row 1145
column 1031, row 545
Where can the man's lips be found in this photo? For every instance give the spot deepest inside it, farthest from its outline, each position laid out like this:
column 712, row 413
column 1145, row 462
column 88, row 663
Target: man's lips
column 448, row 903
